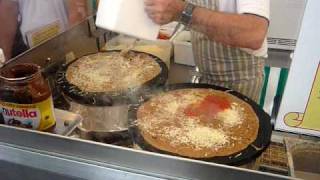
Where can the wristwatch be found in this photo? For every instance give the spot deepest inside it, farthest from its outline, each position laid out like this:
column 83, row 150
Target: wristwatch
column 186, row 15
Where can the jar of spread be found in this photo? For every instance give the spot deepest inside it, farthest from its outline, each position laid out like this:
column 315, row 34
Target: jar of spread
column 25, row 98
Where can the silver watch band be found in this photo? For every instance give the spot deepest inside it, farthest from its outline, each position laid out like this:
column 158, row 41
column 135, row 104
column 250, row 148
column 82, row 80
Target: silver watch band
column 186, row 15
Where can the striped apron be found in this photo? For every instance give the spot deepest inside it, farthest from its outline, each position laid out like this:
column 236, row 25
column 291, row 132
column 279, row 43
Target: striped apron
column 227, row 66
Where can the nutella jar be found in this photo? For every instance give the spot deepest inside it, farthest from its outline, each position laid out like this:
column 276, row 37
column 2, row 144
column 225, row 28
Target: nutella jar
column 25, row 98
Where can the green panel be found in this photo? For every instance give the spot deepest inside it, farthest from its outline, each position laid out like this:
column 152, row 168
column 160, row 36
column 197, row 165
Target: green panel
column 264, row 88
column 94, row 4
column 282, row 81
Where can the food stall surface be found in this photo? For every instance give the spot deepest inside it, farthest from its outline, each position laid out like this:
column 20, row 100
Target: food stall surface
column 74, row 158
column 274, row 159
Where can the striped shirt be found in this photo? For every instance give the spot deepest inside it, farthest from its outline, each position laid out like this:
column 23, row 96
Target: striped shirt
column 226, row 66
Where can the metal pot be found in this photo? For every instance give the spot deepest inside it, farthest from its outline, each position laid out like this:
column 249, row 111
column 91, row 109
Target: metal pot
column 108, row 124
column 105, row 115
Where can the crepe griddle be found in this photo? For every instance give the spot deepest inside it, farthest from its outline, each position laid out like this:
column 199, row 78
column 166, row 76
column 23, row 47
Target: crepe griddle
column 108, row 98
column 239, row 158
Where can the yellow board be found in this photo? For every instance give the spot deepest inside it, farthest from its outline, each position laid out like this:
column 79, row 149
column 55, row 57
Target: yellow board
column 310, row 119
column 42, row 34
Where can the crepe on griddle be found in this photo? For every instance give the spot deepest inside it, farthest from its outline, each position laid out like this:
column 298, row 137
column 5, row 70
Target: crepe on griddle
column 112, row 72
column 197, row 123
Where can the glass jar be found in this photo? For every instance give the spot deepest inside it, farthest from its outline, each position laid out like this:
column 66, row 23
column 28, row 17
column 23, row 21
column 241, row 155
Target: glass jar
column 25, row 98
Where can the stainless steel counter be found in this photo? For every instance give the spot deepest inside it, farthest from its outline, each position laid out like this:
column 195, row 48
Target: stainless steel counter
column 77, row 158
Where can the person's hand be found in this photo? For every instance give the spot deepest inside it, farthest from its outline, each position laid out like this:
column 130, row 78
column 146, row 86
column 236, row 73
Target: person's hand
column 77, row 11
column 2, row 58
column 164, row 11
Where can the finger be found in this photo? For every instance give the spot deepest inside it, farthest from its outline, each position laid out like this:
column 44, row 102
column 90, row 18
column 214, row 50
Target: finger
column 152, row 9
column 157, row 9
column 149, row 2
column 158, row 19
column 153, row 17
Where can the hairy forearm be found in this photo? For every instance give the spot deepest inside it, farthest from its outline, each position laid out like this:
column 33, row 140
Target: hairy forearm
column 8, row 19
column 238, row 30
column 77, row 11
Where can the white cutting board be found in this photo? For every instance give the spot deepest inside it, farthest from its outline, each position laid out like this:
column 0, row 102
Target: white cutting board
column 127, row 17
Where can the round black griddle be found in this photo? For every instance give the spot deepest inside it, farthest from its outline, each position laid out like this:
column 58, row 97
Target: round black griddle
column 108, row 98
column 250, row 153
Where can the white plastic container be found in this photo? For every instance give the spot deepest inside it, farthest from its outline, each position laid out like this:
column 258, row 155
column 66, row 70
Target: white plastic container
column 2, row 58
column 163, row 49
column 127, row 17
column 183, row 53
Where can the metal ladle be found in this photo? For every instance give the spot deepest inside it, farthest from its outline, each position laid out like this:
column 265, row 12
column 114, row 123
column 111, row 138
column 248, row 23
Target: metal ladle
column 124, row 52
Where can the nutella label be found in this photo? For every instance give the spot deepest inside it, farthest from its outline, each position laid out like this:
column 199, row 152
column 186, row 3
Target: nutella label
column 37, row 116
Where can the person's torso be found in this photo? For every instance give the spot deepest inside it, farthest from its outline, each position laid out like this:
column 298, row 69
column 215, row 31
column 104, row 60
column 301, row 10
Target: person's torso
column 230, row 6
column 35, row 14
column 219, row 61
